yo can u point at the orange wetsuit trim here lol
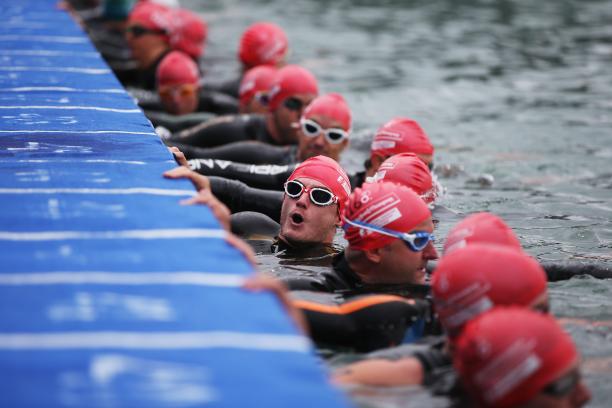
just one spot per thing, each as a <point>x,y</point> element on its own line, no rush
<point>350,306</point>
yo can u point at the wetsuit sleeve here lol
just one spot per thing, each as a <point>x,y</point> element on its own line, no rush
<point>241,152</point>
<point>251,225</point>
<point>216,102</point>
<point>229,87</point>
<point>239,197</point>
<point>364,324</point>
<point>216,132</point>
<point>264,176</point>
<point>563,271</point>
<point>176,123</point>
<point>560,271</point>
<point>432,360</point>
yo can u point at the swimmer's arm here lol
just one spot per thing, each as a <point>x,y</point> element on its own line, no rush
<point>250,152</point>
<point>381,373</point>
<point>240,197</point>
<point>261,282</point>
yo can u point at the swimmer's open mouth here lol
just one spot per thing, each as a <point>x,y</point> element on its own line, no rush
<point>297,218</point>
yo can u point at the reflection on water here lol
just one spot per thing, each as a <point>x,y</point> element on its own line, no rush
<point>515,95</point>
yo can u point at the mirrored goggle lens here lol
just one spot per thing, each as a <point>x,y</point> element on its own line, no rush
<point>418,241</point>
<point>320,196</point>
<point>293,104</point>
<point>293,189</point>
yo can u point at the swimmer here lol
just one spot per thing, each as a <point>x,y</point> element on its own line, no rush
<point>389,232</point>
<point>481,227</point>
<point>409,170</point>
<point>324,129</point>
<point>178,83</point>
<point>315,195</point>
<point>188,33</point>
<point>148,37</point>
<point>293,89</point>
<point>261,44</point>
<point>399,135</point>
<point>513,357</point>
<point>254,87</point>
<point>180,93</point>
<point>467,282</point>
<point>408,138</point>
<point>308,212</point>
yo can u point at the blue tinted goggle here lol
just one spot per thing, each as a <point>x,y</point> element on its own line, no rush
<point>415,241</point>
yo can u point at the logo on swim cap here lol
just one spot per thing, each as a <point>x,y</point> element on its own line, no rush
<point>246,87</point>
<point>274,91</point>
<point>342,181</point>
<point>383,144</point>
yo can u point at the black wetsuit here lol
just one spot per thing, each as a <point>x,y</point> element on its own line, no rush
<point>224,130</point>
<point>208,101</point>
<point>176,123</point>
<point>270,176</point>
<point>342,279</point>
<point>239,197</point>
<point>229,87</point>
<point>563,271</point>
<point>363,323</point>
<point>264,176</point>
<point>147,77</point>
<point>248,152</point>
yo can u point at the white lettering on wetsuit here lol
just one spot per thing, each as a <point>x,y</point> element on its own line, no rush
<point>265,169</point>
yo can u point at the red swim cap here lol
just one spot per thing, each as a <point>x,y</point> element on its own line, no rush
<point>291,80</point>
<point>410,171</point>
<point>177,69</point>
<point>262,44</point>
<point>400,135</point>
<point>189,33</point>
<point>331,105</point>
<point>329,173</point>
<point>152,16</point>
<point>384,204</point>
<point>258,79</point>
<point>507,356</point>
<point>471,280</point>
<point>482,227</point>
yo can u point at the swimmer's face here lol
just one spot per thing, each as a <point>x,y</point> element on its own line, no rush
<point>287,116</point>
<point>303,222</point>
<point>314,145</point>
<point>400,264</point>
<point>179,99</point>
<point>377,159</point>
<point>144,44</point>
<point>254,106</point>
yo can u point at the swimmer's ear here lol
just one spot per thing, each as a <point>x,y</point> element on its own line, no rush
<point>373,255</point>
<point>338,221</point>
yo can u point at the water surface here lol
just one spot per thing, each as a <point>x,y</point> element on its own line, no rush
<point>516,97</point>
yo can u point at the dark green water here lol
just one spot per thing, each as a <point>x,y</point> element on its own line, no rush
<point>517,99</point>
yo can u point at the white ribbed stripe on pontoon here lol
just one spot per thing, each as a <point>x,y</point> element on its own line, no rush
<point>179,233</point>
<point>121,278</point>
<point>154,341</point>
<point>109,191</point>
